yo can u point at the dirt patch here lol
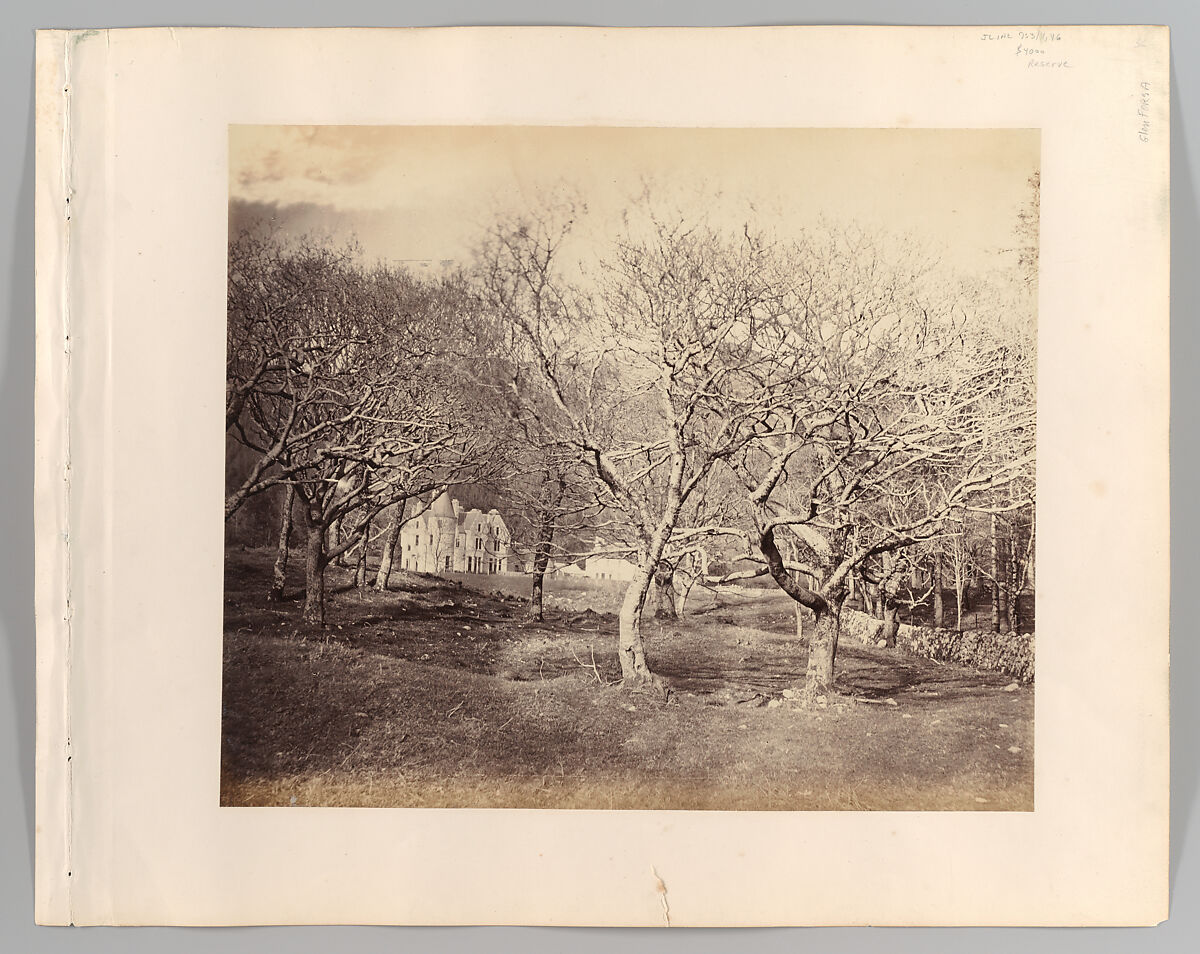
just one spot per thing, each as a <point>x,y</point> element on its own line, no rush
<point>437,694</point>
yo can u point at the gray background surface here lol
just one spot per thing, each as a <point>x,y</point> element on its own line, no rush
<point>17,23</point>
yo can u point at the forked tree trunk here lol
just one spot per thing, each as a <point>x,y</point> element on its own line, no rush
<point>279,578</point>
<point>389,548</point>
<point>827,607</point>
<point>939,604</point>
<point>314,566</point>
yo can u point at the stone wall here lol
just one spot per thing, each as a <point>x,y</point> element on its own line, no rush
<point>1009,653</point>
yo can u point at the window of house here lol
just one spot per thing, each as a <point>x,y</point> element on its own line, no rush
<point>447,563</point>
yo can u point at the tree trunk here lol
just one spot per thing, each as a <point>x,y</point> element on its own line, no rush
<point>1004,590</point>
<point>664,582</point>
<point>339,536</point>
<point>631,648</point>
<point>535,594</point>
<point>541,560</point>
<point>890,625</point>
<point>1014,588</point>
<point>822,650</point>
<point>1031,552</point>
<point>995,577</point>
<point>960,585</point>
<point>683,594</point>
<point>875,600</point>
<point>279,579</point>
<point>822,645</point>
<point>314,567</point>
<point>689,580</point>
<point>389,548</point>
<point>889,586</point>
<point>939,605</point>
<point>360,568</point>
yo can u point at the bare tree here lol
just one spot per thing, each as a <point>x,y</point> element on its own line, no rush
<point>287,335</point>
<point>641,377</point>
<point>553,495</point>
<point>903,418</point>
<point>361,410</point>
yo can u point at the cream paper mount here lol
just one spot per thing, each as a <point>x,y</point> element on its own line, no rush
<point>135,137</point>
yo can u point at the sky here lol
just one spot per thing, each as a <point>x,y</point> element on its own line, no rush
<point>424,195</point>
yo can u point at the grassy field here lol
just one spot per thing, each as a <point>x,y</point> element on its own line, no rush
<point>440,693</point>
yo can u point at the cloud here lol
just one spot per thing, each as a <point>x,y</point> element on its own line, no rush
<point>426,192</point>
<point>306,163</point>
<point>394,235</point>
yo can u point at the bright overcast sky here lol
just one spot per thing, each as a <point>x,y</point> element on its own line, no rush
<point>425,193</point>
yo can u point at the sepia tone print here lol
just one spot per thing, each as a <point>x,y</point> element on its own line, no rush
<point>579,467</point>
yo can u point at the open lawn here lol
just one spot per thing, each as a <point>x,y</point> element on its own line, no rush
<point>439,693</point>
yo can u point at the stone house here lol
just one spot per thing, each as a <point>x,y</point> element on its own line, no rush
<point>448,538</point>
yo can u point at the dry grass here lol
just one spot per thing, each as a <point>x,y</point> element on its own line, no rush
<point>438,695</point>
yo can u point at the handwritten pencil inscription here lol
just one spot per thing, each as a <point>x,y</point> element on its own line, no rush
<point>1143,111</point>
<point>1036,48</point>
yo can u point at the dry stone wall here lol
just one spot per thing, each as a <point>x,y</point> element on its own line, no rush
<point>1009,653</point>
